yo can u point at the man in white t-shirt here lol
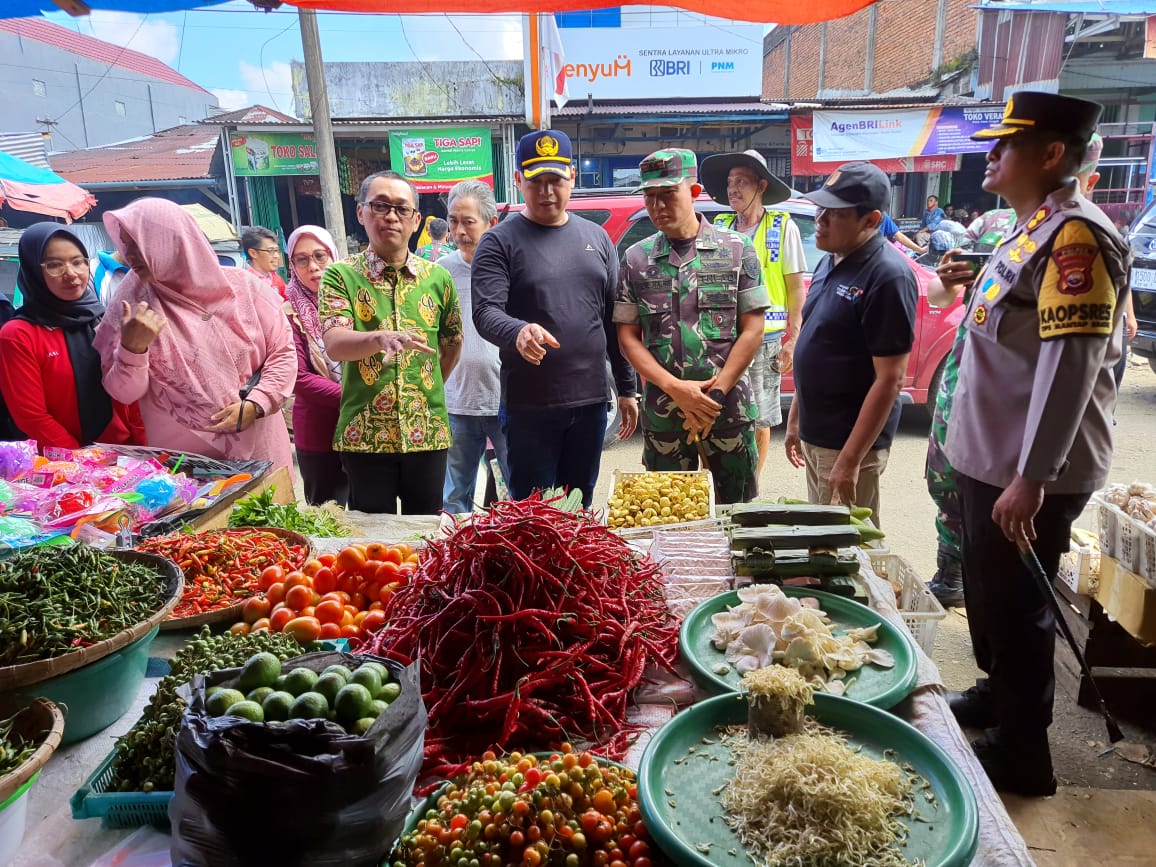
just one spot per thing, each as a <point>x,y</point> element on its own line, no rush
<point>474,389</point>
<point>744,182</point>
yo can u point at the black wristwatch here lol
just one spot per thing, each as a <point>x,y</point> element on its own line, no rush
<point>717,395</point>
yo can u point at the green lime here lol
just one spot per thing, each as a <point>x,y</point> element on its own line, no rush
<point>220,702</point>
<point>277,706</point>
<point>329,685</point>
<point>368,677</point>
<point>362,726</point>
<point>309,705</point>
<point>382,671</point>
<point>378,707</point>
<point>300,680</point>
<point>212,690</point>
<point>249,710</point>
<point>279,683</point>
<point>259,694</point>
<point>262,669</point>
<point>390,692</point>
<point>340,670</point>
<point>353,702</point>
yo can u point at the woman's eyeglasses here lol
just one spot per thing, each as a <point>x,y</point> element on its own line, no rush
<point>319,256</point>
<point>56,268</point>
<point>383,208</point>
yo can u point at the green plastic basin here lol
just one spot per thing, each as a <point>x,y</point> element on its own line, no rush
<point>95,696</point>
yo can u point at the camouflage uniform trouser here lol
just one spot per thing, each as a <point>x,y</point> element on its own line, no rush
<point>942,479</point>
<point>730,455</point>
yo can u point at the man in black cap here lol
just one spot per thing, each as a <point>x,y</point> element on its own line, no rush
<point>744,182</point>
<point>1030,432</point>
<point>851,355</point>
<point>544,289</point>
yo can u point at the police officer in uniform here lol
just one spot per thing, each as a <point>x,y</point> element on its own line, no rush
<point>690,316</point>
<point>1030,432</point>
<point>744,182</point>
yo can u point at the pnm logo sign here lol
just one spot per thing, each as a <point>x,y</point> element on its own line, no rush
<point>722,66</point>
<point>669,67</point>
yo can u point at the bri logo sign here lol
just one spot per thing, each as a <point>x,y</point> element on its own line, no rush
<point>669,67</point>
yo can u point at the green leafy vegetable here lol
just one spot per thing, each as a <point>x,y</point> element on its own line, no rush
<point>259,510</point>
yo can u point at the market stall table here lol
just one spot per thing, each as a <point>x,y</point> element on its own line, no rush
<point>54,838</point>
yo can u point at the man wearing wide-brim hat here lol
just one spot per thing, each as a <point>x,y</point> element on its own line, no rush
<point>743,182</point>
<point>1030,431</point>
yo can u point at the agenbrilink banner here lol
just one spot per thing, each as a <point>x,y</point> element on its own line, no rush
<point>840,136</point>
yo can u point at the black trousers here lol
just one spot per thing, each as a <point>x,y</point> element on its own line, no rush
<point>323,477</point>
<point>378,481</point>
<point>1013,628</point>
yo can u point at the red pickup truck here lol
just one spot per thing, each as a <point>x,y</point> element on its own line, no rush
<point>624,218</point>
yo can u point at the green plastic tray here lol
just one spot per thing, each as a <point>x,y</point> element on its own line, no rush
<point>949,840</point>
<point>881,687</point>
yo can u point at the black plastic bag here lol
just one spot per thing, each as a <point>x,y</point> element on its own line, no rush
<point>297,792</point>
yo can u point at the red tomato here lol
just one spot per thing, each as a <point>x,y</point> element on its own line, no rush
<point>327,559</point>
<point>351,560</point>
<point>393,555</point>
<point>255,608</point>
<point>387,572</point>
<point>269,576</point>
<point>329,611</point>
<point>349,631</point>
<point>358,601</point>
<point>312,567</point>
<point>404,549</point>
<point>239,629</point>
<point>296,579</point>
<point>324,580</point>
<point>412,559</point>
<point>304,629</point>
<point>369,570</point>
<point>372,591</point>
<point>280,617</point>
<point>308,611</point>
<point>330,630</point>
<point>376,550</point>
<point>373,621</point>
<point>275,594</point>
<point>298,597</point>
<point>261,625</point>
<point>348,583</point>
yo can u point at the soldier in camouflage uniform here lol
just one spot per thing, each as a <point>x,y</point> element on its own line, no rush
<point>690,316</point>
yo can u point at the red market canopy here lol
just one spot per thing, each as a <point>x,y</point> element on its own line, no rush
<point>765,11</point>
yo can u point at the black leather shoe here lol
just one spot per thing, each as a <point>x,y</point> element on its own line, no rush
<point>1026,772</point>
<point>946,584</point>
<point>973,709</point>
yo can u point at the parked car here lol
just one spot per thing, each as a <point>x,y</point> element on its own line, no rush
<point>1142,240</point>
<point>624,218</point>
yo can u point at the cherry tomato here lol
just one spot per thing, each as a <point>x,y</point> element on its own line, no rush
<point>638,850</point>
<point>299,596</point>
<point>329,611</point>
<point>280,617</point>
<point>275,594</point>
<point>303,629</point>
<point>255,608</point>
<point>269,576</point>
<point>324,580</point>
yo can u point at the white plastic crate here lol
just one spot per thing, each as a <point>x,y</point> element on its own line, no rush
<point>1126,539</point>
<point>919,609</point>
<point>1080,569</point>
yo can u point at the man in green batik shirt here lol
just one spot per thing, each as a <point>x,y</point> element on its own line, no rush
<point>394,319</point>
<point>690,315</point>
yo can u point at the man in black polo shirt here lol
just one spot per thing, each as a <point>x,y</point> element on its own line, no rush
<point>851,353</point>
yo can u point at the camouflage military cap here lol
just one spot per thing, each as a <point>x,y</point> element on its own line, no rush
<point>667,168</point>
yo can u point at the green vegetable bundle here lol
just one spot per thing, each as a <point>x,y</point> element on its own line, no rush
<point>145,760</point>
<point>56,600</point>
<point>259,510</point>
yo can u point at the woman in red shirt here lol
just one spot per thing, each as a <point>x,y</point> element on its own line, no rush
<point>50,374</point>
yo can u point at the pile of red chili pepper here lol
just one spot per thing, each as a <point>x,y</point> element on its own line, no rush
<point>222,567</point>
<point>532,625</point>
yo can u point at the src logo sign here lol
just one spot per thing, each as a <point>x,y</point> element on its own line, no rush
<point>669,67</point>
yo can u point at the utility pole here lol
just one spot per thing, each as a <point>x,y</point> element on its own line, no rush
<point>322,129</point>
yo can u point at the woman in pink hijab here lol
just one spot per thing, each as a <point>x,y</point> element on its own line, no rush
<point>318,390</point>
<point>186,337</point>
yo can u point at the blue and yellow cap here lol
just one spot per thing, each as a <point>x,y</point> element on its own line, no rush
<point>546,150</point>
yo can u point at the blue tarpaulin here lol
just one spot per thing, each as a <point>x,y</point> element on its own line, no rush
<point>33,8</point>
<point>13,169</point>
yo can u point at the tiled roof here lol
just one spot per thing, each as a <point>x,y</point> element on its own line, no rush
<point>252,114</point>
<point>183,152</point>
<point>40,30</point>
